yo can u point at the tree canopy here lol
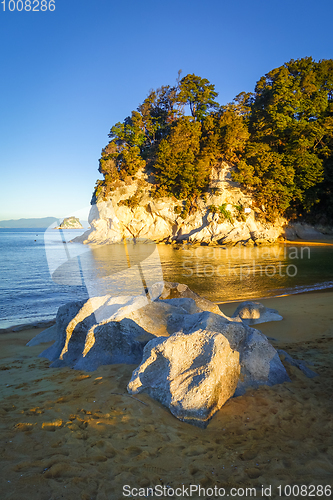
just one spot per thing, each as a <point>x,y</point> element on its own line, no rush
<point>278,138</point>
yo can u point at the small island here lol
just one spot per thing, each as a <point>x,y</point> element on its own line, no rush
<point>181,168</point>
<point>70,223</point>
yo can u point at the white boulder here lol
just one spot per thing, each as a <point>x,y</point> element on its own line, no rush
<point>195,371</point>
<point>253,313</point>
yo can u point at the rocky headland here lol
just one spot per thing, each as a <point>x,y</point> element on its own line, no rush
<point>225,216</point>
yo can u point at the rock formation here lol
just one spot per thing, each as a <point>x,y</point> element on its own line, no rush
<point>195,371</point>
<point>298,230</point>
<point>180,290</point>
<point>192,373</point>
<point>227,216</point>
<point>70,223</point>
<point>189,355</point>
<point>77,327</point>
<point>252,313</point>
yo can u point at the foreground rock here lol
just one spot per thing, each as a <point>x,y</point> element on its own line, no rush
<point>79,326</point>
<point>194,372</point>
<point>112,343</point>
<point>253,313</point>
<point>191,358</point>
<point>96,325</point>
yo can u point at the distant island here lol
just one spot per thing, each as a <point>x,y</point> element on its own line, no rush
<point>70,223</point>
<point>28,223</point>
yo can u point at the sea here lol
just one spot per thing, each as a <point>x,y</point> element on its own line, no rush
<point>43,269</point>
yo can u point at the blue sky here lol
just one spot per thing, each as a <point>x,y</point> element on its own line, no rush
<point>67,76</point>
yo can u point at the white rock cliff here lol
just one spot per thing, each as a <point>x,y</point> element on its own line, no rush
<point>133,211</point>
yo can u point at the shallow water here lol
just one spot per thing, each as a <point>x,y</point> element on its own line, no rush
<point>40,271</point>
<point>224,274</point>
<point>27,292</point>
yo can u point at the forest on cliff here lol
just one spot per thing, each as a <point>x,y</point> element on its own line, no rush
<point>279,139</point>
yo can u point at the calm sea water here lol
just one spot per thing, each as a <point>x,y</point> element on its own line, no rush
<point>27,292</point>
<point>41,270</point>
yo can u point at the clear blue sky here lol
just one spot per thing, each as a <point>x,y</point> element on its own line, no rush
<point>67,76</point>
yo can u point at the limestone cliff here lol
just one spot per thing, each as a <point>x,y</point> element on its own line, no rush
<point>226,216</point>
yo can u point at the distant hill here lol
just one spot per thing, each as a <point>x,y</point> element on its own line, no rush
<point>24,223</point>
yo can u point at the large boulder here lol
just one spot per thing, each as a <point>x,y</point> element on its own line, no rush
<point>192,358</point>
<point>80,324</point>
<point>114,342</point>
<point>253,313</point>
<point>84,343</point>
<point>195,371</point>
<point>193,374</point>
<point>73,321</point>
<point>164,317</point>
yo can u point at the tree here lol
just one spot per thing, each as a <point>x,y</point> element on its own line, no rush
<point>199,94</point>
<point>179,168</point>
<point>290,114</point>
<point>122,156</point>
<point>269,179</point>
<point>158,111</point>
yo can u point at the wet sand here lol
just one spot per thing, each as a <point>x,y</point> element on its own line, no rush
<point>69,434</point>
<point>306,315</point>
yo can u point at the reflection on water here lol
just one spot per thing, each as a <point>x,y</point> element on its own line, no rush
<point>218,273</point>
<point>111,259</point>
<point>125,268</point>
<point>224,274</point>
<point>121,269</point>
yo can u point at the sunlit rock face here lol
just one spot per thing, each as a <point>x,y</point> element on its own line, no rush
<point>181,291</point>
<point>88,333</point>
<point>131,210</point>
<point>195,371</point>
<point>193,374</point>
<point>75,331</point>
<point>188,357</point>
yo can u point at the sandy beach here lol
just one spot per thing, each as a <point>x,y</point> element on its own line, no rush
<point>68,434</point>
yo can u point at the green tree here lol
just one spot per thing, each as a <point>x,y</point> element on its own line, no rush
<point>270,181</point>
<point>290,113</point>
<point>199,94</point>
<point>179,169</point>
<point>122,156</point>
<point>279,138</point>
<point>158,111</point>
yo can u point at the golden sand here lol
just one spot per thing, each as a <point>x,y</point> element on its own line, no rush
<point>69,434</point>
